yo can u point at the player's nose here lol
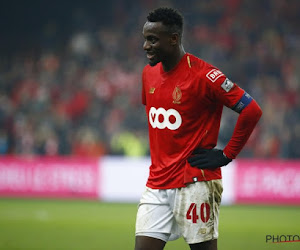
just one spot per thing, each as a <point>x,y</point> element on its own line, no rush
<point>146,45</point>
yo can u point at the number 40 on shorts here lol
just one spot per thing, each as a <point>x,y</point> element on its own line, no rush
<point>192,213</point>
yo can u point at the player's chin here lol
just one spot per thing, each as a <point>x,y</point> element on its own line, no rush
<point>153,62</point>
<point>153,58</point>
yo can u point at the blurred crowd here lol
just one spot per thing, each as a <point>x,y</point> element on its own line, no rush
<point>79,93</point>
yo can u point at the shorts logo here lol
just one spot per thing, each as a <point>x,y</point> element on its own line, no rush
<point>214,74</point>
<point>227,85</point>
<point>160,118</point>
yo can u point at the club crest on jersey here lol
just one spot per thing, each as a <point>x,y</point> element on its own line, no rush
<point>214,74</point>
<point>177,94</point>
<point>227,85</point>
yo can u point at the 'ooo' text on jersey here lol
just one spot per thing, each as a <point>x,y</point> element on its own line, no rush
<point>161,118</point>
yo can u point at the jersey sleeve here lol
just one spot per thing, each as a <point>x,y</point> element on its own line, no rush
<point>234,97</point>
<point>246,123</point>
<point>222,88</point>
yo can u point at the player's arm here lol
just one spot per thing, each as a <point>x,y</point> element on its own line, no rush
<point>250,114</point>
<point>238,100</point>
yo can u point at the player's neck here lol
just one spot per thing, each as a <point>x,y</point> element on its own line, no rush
<point>174,59</point>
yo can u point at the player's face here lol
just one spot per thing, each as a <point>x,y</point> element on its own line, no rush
<point>157,42</point>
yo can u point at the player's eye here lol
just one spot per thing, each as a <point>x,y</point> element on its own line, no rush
<point>152,39</point>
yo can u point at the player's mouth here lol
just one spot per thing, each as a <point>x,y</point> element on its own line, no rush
<point>150,56</point>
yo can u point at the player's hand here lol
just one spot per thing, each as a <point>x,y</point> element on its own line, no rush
<point>208,158</point>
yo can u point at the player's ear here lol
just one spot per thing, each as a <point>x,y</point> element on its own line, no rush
<point>174,39</point>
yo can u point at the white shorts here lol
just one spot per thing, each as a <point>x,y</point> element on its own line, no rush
<point>191,212</point>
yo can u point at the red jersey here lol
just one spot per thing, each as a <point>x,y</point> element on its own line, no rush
<point>184,108</point>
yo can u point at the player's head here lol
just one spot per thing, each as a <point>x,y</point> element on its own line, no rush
<point>162,33</point>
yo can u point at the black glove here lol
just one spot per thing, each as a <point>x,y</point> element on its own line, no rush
<point>208,158</point>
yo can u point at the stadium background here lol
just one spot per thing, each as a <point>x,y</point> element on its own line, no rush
<point>70,82</point>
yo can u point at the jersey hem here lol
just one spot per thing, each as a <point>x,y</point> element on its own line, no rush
<point>180,186</point>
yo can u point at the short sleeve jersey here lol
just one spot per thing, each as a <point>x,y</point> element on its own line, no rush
<point>184,108</point>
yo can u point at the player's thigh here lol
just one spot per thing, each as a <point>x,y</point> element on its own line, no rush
<point>196,210</point>
<point>207,245</point>
<point>154,215</point>
<point>145,243</point>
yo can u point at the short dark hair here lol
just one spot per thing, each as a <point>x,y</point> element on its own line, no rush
<point>169,17</point>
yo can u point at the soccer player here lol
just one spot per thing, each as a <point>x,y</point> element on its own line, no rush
<point>184,98</point>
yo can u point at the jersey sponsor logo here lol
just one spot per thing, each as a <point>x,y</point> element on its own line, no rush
<point>161,118</point>
<point>177,94</point>
<point>214,74</point>
<point>227,85</point>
